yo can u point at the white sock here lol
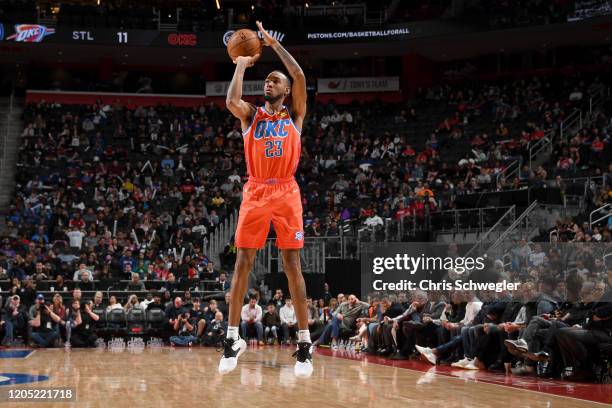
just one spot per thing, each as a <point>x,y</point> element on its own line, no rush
<point>304,336</point>
<point>232,332</point>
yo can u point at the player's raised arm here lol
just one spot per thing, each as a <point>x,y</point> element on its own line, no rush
<point>239,108</point>
<point>298,89</point>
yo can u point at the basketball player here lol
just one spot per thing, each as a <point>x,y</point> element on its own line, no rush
<point>272,152</point>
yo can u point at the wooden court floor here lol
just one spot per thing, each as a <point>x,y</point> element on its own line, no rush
<point>264,378</point>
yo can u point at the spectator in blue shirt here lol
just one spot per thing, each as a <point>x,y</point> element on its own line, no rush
<point>127,258</point>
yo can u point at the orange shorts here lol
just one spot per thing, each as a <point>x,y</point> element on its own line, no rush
<point>271,200</point>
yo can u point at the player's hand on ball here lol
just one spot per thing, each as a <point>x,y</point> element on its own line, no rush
<point>248,61</point>
<point>268,39</point>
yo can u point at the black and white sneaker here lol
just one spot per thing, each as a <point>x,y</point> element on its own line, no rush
<point>303,365</point>
<point>232,349</point>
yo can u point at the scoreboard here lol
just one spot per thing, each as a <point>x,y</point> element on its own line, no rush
<point>139,38</point>
<point>36,33</point>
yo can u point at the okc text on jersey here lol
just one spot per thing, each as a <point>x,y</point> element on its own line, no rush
<point>266,129</point>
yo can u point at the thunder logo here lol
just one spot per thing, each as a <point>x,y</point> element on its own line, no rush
<point>30,33</point>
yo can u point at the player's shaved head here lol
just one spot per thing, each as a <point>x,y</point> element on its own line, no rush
<point>280,74</point>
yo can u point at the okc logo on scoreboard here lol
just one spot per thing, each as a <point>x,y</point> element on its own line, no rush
<point>30,33</point>
<point>276,34</point>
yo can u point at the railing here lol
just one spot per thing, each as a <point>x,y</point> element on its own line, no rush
<point>221,236</point>
<point>605,258</point>
<point>510,170</point>
<point>602,218</point>
<point>539,146</point>
<point>466,220</point>
<point>394,230</point>
<point>598,98</point>
<point>510,214</point>
<point>569,122</point>
<point>515,225</point>
<point>313,256</point>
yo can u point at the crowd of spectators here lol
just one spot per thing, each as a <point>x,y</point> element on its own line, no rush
<point>549,327</point>
<point>101,184</point>
<point>508,14</point>
<point>206,16</point>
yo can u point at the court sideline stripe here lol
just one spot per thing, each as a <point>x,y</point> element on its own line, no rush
<point>447,375</point>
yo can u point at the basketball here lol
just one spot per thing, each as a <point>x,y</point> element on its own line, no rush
<point>243,43</point>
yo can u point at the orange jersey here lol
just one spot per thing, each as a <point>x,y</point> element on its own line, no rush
<point>272,145</point>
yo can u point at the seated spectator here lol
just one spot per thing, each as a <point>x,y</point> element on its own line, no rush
<point>271,323</point>
<point>414,331</point>
<point>251,316</point>
<point>132,303</point>
<point>195,308</point>
<point>58,307</point>
<point>113,304</point>
<point>539,340</point>
<point>576,344</point>
<point>156,304</point>
<point>472,308</point>
<point>170,285</point>
<point>222,282</point>
<point>78,274</point>
<point>288,321</point>
<point>147,300</point>
<point>98,301</point>
<point>215,331</point>
<point>314,324</point>
<point>344,319</point>
<point>14,319</point>
<point>174,310</point>
<point>85,283</point>
<point>383,337</point>
<point>278,299</point>
<point>210,311</point>
<point>135,284</point>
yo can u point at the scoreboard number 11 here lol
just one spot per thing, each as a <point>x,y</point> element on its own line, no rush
<point>122,37</point>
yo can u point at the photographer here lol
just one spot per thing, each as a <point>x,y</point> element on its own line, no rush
<point>185,327</point>
<point>79,330</point>
<point>44,325</point>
